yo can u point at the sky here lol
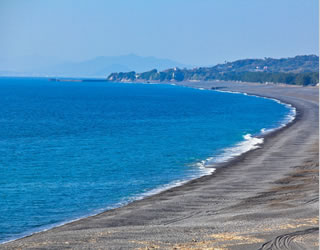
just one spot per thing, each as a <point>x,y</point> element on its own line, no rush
<point>193,32</point>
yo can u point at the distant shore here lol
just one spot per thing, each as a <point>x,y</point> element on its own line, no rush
<point>263,199</point>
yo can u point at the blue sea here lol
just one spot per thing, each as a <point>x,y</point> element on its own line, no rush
<point>73,149</point>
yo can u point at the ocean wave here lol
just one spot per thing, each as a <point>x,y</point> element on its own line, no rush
<point>287,120</point>
<point>249,143</point>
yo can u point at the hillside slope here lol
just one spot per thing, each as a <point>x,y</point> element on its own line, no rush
<point>299,70</point>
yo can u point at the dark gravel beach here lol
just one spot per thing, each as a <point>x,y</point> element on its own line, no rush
<point>265,199</point>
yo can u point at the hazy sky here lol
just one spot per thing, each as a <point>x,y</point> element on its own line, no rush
<point>196,32</point>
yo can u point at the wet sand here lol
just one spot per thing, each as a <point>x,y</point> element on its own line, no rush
<point>265,199</point>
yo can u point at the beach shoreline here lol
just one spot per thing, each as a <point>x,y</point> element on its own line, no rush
<point>131,226</point>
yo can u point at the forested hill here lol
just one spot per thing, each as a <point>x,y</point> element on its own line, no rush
<point>300,70</point>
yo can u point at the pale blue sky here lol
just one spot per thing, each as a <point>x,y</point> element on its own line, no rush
<point>197,32</point>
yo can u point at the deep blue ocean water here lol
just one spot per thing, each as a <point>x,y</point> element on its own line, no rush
<point>71,149</point>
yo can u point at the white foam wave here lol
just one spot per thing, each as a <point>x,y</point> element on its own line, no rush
<point>248,144</point>
<point>159,189</point>
<point>287,120</point>
<point>228,91</point>
<point>204,170</point>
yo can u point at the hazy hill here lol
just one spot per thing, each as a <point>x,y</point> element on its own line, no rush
<point>97,67</point>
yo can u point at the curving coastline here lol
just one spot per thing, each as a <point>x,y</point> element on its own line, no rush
<point>246,204</point>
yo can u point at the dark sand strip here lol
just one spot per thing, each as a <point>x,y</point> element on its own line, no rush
<point>264,199</point>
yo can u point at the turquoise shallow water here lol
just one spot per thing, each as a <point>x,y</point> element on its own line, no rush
<point>71,149</point>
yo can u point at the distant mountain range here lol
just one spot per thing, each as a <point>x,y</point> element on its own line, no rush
<point>98,67</point>
<point>302,70</point>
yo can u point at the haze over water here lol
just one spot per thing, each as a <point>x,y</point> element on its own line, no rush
<point>72,149</point>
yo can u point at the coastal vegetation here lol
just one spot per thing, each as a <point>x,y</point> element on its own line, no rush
<point>299,70</point>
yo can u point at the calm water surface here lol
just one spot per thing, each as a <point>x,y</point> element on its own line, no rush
<point>70,149</point>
